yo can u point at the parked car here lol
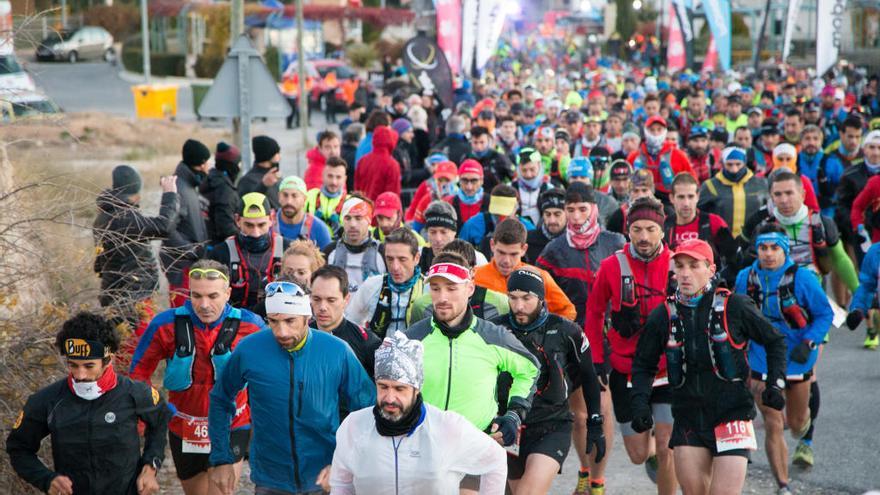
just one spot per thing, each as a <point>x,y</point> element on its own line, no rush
<point>18,105</point>
<point>13,77</point>
<point>325,81</point>
<point>78,44</point>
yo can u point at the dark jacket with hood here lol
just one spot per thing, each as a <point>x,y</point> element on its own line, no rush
<point>124,260</point>
<point>252,181</point>
<point>185,243</point>
<point>223,203</point>
<point>497,168</point>
<point>378,171</point>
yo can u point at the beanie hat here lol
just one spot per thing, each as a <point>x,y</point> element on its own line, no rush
<point>400,359</point>
<point>126,180</point>
<point>264,148</point>
<point>441,214</point>
<point>227,152</point>
<point>527,281</point>
<point>551,198</point>
<point>195,153</point>
<point>646,209</point>
<point>401,125</point>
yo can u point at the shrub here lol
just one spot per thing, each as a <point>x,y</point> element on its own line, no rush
<point>161,64</point>
<point>120,20</point>
<point>360,55</point>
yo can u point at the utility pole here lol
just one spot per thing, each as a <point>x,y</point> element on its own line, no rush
<point>303,96</point>
<point>145,40</point>
<point>236,28</point>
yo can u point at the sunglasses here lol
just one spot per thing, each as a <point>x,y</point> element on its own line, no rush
<point>289,288</point>
<point>207,274</point>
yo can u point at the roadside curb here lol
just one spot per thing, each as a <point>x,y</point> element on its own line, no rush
<point>137,78</point>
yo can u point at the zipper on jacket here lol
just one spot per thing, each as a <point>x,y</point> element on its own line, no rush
<point>292,434</point>
<point>92,481</point>
<point>299,405</point>
<point>449,377</point>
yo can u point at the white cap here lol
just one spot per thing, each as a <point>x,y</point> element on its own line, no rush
<point>287,298</point>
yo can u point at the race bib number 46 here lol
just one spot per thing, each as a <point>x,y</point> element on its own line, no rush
<point>735,435</point>
<point>195,436</point>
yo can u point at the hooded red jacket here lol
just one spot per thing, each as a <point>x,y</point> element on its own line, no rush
<point>678,161</point>
<point>651,279</point>
<point>378,171</point>
<point>315,171</point>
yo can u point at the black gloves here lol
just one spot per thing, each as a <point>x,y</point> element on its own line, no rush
<point>854,318</point>
<point>642,421</point>
<point>801,353</point>
<point>508,425</point>
<point>772,397</point>
<point>596,437</point>
<point>602,374</point>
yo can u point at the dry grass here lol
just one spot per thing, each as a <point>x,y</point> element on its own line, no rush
<point>50,173</point>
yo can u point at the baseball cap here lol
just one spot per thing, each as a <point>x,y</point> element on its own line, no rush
<point>388,204</point>
<point>620,169</point>
<point>697,249</point>
<point>642,178</point>
<point>445,170</point>
<point>255,205</point>
<point>698,131</point>
<point>450,271</point>
<point>656,120</point>
<point>470,166</point>
<point>293,182</point>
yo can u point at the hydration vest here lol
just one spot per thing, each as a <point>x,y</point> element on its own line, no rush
<point>794,314</point>
<point>629,319</point>
<point>478,301</point>
<point>807,254</point>
<point>729,360</point>
<point>239,272</point>
<point>664,165</point>
<point>178,368</point>
<point>382,316</point>
<point>306,230</point>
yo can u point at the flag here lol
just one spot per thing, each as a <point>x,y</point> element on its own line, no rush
<point>711,60</point>
<point>790,21</point>
<point>829,30</point>
<point>449,31</point>
<point>684,16</point>
<point>426,64</point>
<point>676,56</point>
<point>469,11</point>
<point>718,16</point>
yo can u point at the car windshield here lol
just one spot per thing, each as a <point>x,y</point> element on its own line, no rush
<point>342,72</point>
<point>33,108</point>
<point>9,65</point>
<point>57,36</point>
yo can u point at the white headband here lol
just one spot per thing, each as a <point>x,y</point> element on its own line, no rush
<point>784,149</point>
<point>873,137</point>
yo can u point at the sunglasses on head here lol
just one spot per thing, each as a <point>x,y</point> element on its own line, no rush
<point>284,288</point>
<point>208,274</point>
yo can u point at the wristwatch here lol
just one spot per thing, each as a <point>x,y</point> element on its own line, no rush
<point>155,463</point>
<point>780,383</point>
<point>812,345</point>
<point>595,419</point>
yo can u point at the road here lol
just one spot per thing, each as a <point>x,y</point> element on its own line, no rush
<point>847,438</point>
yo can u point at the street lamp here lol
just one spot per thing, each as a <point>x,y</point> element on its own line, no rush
<point>637,5</point>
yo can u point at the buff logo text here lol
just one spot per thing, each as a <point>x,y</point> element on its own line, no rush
<point>78,347</point>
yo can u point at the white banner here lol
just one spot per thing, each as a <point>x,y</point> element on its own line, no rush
<point>794,7</point>
<point>468,35</point>
<point>491,22</point>
<point>829,30</point>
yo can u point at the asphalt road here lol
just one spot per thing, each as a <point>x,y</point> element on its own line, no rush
<point>847,438</point>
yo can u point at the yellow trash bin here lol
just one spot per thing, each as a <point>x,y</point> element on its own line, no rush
<point>155,101</point>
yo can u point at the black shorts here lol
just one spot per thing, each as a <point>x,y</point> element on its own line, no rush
<point>552,440</point>
<point>685,435</point>
<point>191,465</point>
<point>805,377</point>
<point>617,382</point>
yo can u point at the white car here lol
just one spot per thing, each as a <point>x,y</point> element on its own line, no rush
<point>80,44</point>
<point>18,105</point>
<point>13,77</point>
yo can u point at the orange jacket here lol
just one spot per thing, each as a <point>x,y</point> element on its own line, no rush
<point>489,277</point>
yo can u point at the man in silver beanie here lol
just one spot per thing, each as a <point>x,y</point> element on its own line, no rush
<point>430,451</point>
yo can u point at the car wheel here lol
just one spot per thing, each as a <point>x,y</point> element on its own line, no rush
<point>72,57</point>
<point>110,55</point>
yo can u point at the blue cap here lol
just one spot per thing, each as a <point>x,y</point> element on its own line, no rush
<point>580,167</point>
